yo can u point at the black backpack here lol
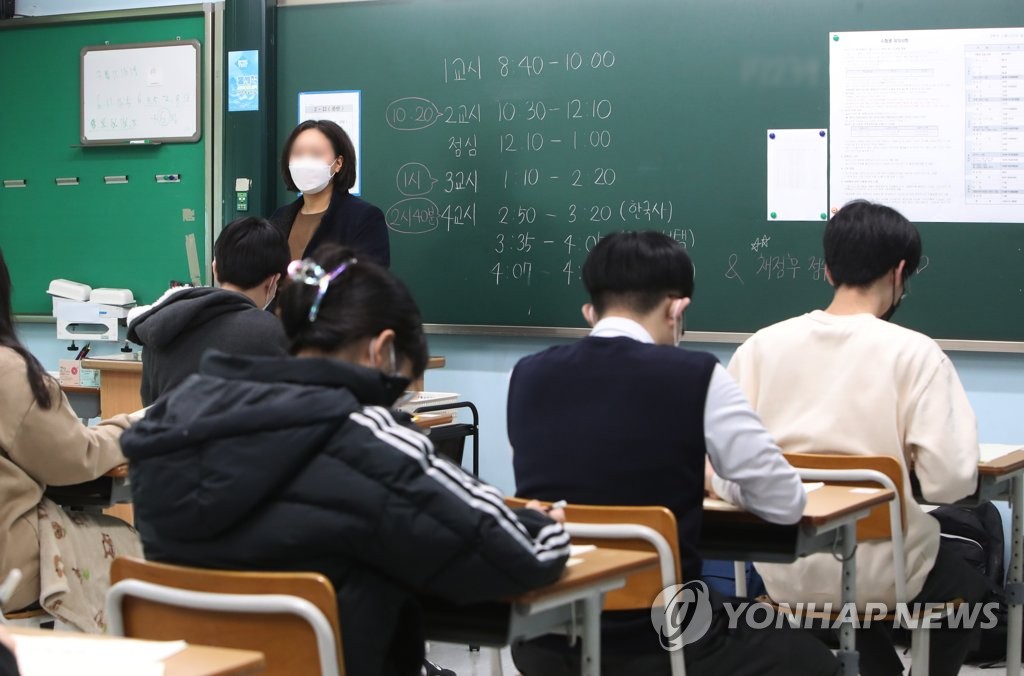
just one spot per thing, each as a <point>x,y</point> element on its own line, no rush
<point>977,534</point>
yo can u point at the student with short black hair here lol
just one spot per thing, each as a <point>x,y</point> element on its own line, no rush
<point>625,417</point>
<point>319,161</point>
<point>297,463</point>
<point>250,257</point>
<point>845,380</point>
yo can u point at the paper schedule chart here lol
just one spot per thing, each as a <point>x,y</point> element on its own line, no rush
<point>930,122</point>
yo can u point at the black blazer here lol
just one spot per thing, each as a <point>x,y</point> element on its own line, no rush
<point>348,221</point>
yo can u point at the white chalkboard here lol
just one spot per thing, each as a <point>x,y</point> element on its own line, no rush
<point>139,93</point>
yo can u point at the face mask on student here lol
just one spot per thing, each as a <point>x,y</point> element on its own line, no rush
<point>395,384</point>
<point>309,174</point>
<point>887,315</point>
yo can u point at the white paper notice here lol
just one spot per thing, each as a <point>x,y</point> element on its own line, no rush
<point>797,175</point>
<point>342,107</point>
<point>929,122</point>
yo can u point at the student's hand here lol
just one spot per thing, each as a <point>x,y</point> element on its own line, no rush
<point>709,487</point>
<point>554,514</point>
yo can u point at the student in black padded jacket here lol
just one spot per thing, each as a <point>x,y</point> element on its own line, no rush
<point>297,463</point>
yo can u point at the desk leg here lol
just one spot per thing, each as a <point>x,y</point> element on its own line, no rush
<point>1015,580</point>
<point>590,664</point>
<point>739,572</point>
<point>848,657</point>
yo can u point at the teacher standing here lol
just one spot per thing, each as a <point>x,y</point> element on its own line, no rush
<point>319,161</point>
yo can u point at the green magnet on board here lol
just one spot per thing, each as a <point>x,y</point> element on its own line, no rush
<point>774,215</point>
<point>824,216</point>
<point>835,38</point>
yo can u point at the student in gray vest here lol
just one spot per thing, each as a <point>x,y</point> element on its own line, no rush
<point>625,417</point>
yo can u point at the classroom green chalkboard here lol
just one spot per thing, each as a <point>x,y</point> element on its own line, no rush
<point>124,235</point>
<point>502,139</point>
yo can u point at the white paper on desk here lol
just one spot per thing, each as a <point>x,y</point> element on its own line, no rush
<point>812,485</point>
<point>720,505</point>
<point>990,452</point>
<point>797,175</point>
<point>575,551</point>
<point>58,654</point>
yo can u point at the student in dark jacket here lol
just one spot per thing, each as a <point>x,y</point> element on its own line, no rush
<point>625,417</point>
<point>298,463</point>
<point>319,161</point>
<point>250,257</point>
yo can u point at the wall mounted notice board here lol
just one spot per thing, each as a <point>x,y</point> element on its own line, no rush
<point>145,92</point>
<point>117,234</point>
<point>502,138</point>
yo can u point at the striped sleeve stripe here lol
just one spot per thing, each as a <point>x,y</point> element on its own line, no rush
<point>492,495</point>
<point>431,467</point>
<point>481,490</point>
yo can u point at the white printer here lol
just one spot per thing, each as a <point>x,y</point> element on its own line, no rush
<point>87,313</point>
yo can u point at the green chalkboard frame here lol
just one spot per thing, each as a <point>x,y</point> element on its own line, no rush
<point>131,240</point>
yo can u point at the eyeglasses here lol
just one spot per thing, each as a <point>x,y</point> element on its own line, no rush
<point>308,271</point>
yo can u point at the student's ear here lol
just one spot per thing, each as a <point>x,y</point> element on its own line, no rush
<point>677,307</point>
<point>589,314</point>
<point>381,349</point>
<point>900,268</point>
<point>270,284</point>
<point>828,277</point>
<point>340,162</point>
<point>215,278</point>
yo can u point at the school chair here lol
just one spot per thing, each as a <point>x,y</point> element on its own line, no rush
<point>646,529</point>
<point>292,618</point>
<point>885,522</point>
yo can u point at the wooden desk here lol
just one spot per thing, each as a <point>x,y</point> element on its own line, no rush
<point>432,363</point>
<point>731,534</point>
<point>572,605</point>
<point>194,660</point>
<point>120,382</point>
<point>829,523</point>
<point>85,401</point>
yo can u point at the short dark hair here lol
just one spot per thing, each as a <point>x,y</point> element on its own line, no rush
<point>248,251</point>
<point>342,144</point>
<point>361,302</point>
<point>637,270</point>
<point>863,241</point>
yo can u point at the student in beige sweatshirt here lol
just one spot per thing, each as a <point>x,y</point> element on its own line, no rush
<point>64,557</point>
<point>846,380</point>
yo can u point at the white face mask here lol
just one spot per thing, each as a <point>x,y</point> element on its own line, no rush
<point>309,174</point>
